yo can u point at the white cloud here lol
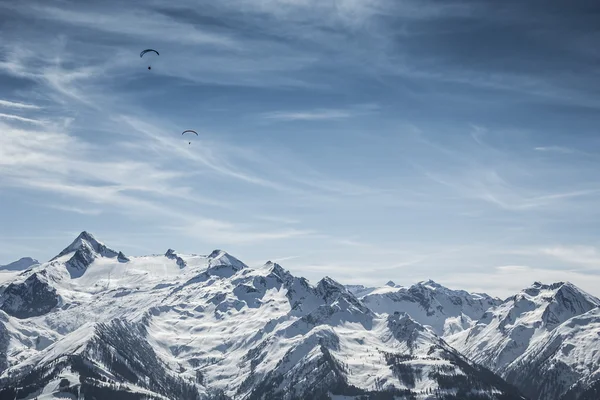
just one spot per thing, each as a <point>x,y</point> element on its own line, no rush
<point>21,119</point>
<point>586,256</point>
<point>315,115</point>
<point>504,179</point>
<point>213,157</point>
<point>13,104</point>
<point>555,149</point>
<point>323,114</point>
<point>58,163</point>
<point>219,232</point>
<point>62,164</point>
<point>278,219</point>
<point>150,25</point>
<point>76,210</point>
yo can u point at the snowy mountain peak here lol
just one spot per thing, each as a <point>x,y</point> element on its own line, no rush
<point>328,287</point>
<point>83,238</point>
<point>403,326</point>
<point>277,270</point>
<point>216,253</point>
<point>336,294</point>
<point>122,257</point>
<point>85,249</point>
<point>170,254</point>
<point>537,287</point>
<point>390,284</point>
<point>221,258</point>
<point>223,264</point>
<point>562,295</point>
<point>568,301</point>
<point>20,265</point>
<point>432,285</point>
<point>87,242</point>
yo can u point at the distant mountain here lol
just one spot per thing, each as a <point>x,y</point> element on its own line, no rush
<point>179,326</point>
<point>445,310</point>
<point>544,339</point>
<point>19,265</point>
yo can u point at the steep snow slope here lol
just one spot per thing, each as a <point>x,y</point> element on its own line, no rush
<point>515,334</point>
<point>446,311</point>
<point>189,327</point>
<point>567,360</point>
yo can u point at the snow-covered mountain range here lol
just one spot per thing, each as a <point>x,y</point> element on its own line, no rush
<point>94,323</point>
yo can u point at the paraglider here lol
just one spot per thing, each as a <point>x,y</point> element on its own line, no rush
<point>190,131</point>
<point>146,51</point>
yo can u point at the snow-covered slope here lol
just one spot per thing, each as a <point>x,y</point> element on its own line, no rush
<point>567,360</point>
<point>527,330</point>
<point>446,311</point>
<point>183,326</point>
<point>19,265</point>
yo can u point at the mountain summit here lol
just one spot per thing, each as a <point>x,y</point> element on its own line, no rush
<point>87,242</point>
<point>83,251</point>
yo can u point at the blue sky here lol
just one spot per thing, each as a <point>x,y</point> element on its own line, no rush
<point>366,140</point>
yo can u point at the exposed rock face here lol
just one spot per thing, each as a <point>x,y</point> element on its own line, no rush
<point>30,298</point>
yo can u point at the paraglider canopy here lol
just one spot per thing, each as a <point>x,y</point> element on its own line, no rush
<point>147,51</point>
<point>189,131</point>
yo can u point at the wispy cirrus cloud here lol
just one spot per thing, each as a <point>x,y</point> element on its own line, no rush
<point>135,22</point>
<point>20,119</point>
<point>314,115</point>
<point>555,149</point>
<point>14,104</point>
<point>76,210</point>
<point>115,186</point>
<point>323,114</point>
<point>586,256</point>
<point>481,170</point>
